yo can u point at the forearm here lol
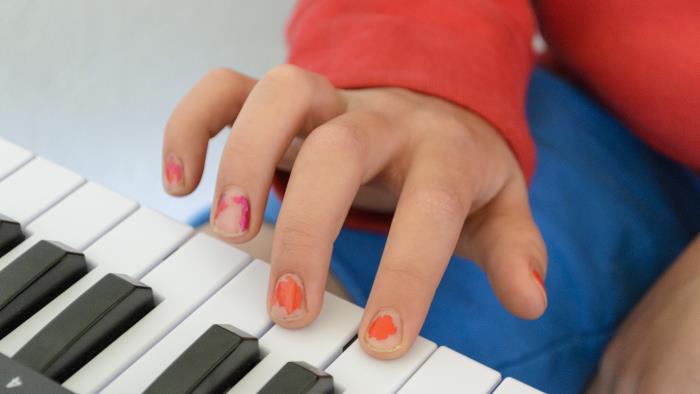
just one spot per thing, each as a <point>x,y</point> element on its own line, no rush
<point>656,347</point>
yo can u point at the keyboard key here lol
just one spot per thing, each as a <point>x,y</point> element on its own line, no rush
<point>83,216</point>
<point>34,279</point>
<point>10,234</point>
<point>212,364</point>
<point>317,344</point>
<point>299,377</point>
<point>181,283</point>
<point>356,372</point>
<point>12,157</point>
<point>240,303</point>
<point>77,221</point>
<point>34,188</point>
<point>447,371</point>
<point>132,248</point>
<point>87,326</point>
<point>15,378</point>
<point>513,386</point>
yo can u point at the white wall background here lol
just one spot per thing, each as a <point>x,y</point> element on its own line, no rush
<point>90,83</point>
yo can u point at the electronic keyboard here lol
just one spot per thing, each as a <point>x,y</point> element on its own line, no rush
<point>98,294</point>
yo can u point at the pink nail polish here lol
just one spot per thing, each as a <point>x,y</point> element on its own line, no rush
<point>384,331</point>
<point>288,298</point>
<point>173,171</point>
<point>232,215</point>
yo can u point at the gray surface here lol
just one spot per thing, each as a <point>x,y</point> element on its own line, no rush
<point>90,84</point>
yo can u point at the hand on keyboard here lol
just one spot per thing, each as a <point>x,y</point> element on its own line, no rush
<point>450,179</point>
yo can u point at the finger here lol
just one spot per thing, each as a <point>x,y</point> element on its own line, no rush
<point>285,102</point>
<point>428,219</point>
<point>335,159</point>
<point>212,104</point>
<point>505,241</point>
<point>373,196</point>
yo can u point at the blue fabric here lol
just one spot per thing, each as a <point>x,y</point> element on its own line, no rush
<point>613,213</point>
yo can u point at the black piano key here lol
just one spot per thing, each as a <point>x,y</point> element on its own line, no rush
<point>34,279</point>
<point>298,377</point>
<point>216,361</point>
<point>10,234</point>
<point>88,325</point>
<point>16,378</point>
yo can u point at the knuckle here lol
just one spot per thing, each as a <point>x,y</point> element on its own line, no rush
<point>457,139</point>
<point>338,138</point>
<point>286,71</point>
<point>292,77</point>
<point>225,74</point>
<point>441,201</point>
<point>411,278</point>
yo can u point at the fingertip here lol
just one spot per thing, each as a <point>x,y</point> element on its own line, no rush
<point>173,172</point>
<point>541,287</point>
<point>384,335</point>
<point>234,217</point>
<point>288,304</point>
<point>521,290</point>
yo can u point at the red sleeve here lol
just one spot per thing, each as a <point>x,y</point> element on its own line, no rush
<point>641,59</point>
<point>475,53</point>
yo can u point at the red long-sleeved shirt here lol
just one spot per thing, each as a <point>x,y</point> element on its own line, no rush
<point>640,58</point>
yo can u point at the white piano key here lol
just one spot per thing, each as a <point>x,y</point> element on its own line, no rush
<point>183,281</point>
<point>139,243</point>
<point>356,372</point>
<point>132,248</point>
<point>241,303</point>
<point>317,344</point>
<point>82,217</point>
<point>34,188</point>
<point>513,386</point>
<point>76,221</point>
<point>447,371</point>
<point>12,157</point>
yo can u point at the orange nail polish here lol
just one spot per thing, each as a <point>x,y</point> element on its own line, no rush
<point>538,277</point>
<point>288,298</point>
<point>384,331</point>
<point>543,290</point>
<point>381,328</point>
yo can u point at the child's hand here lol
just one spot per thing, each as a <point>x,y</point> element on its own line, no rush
<point>457,184</point>
<point>656,349</point>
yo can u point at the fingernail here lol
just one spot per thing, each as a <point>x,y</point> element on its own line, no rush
<point>173,171</point>
<point>232,212</point>
<point>288,301</point>
<point>540,282</point>
<point>384,331</point>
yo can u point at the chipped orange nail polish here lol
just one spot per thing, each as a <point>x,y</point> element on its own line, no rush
<point>288,298</point>
<point>381,328</point>
<point>173,171</point>
<point>543,290</point>
<point>538,277</point>
<point>384,331</point>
